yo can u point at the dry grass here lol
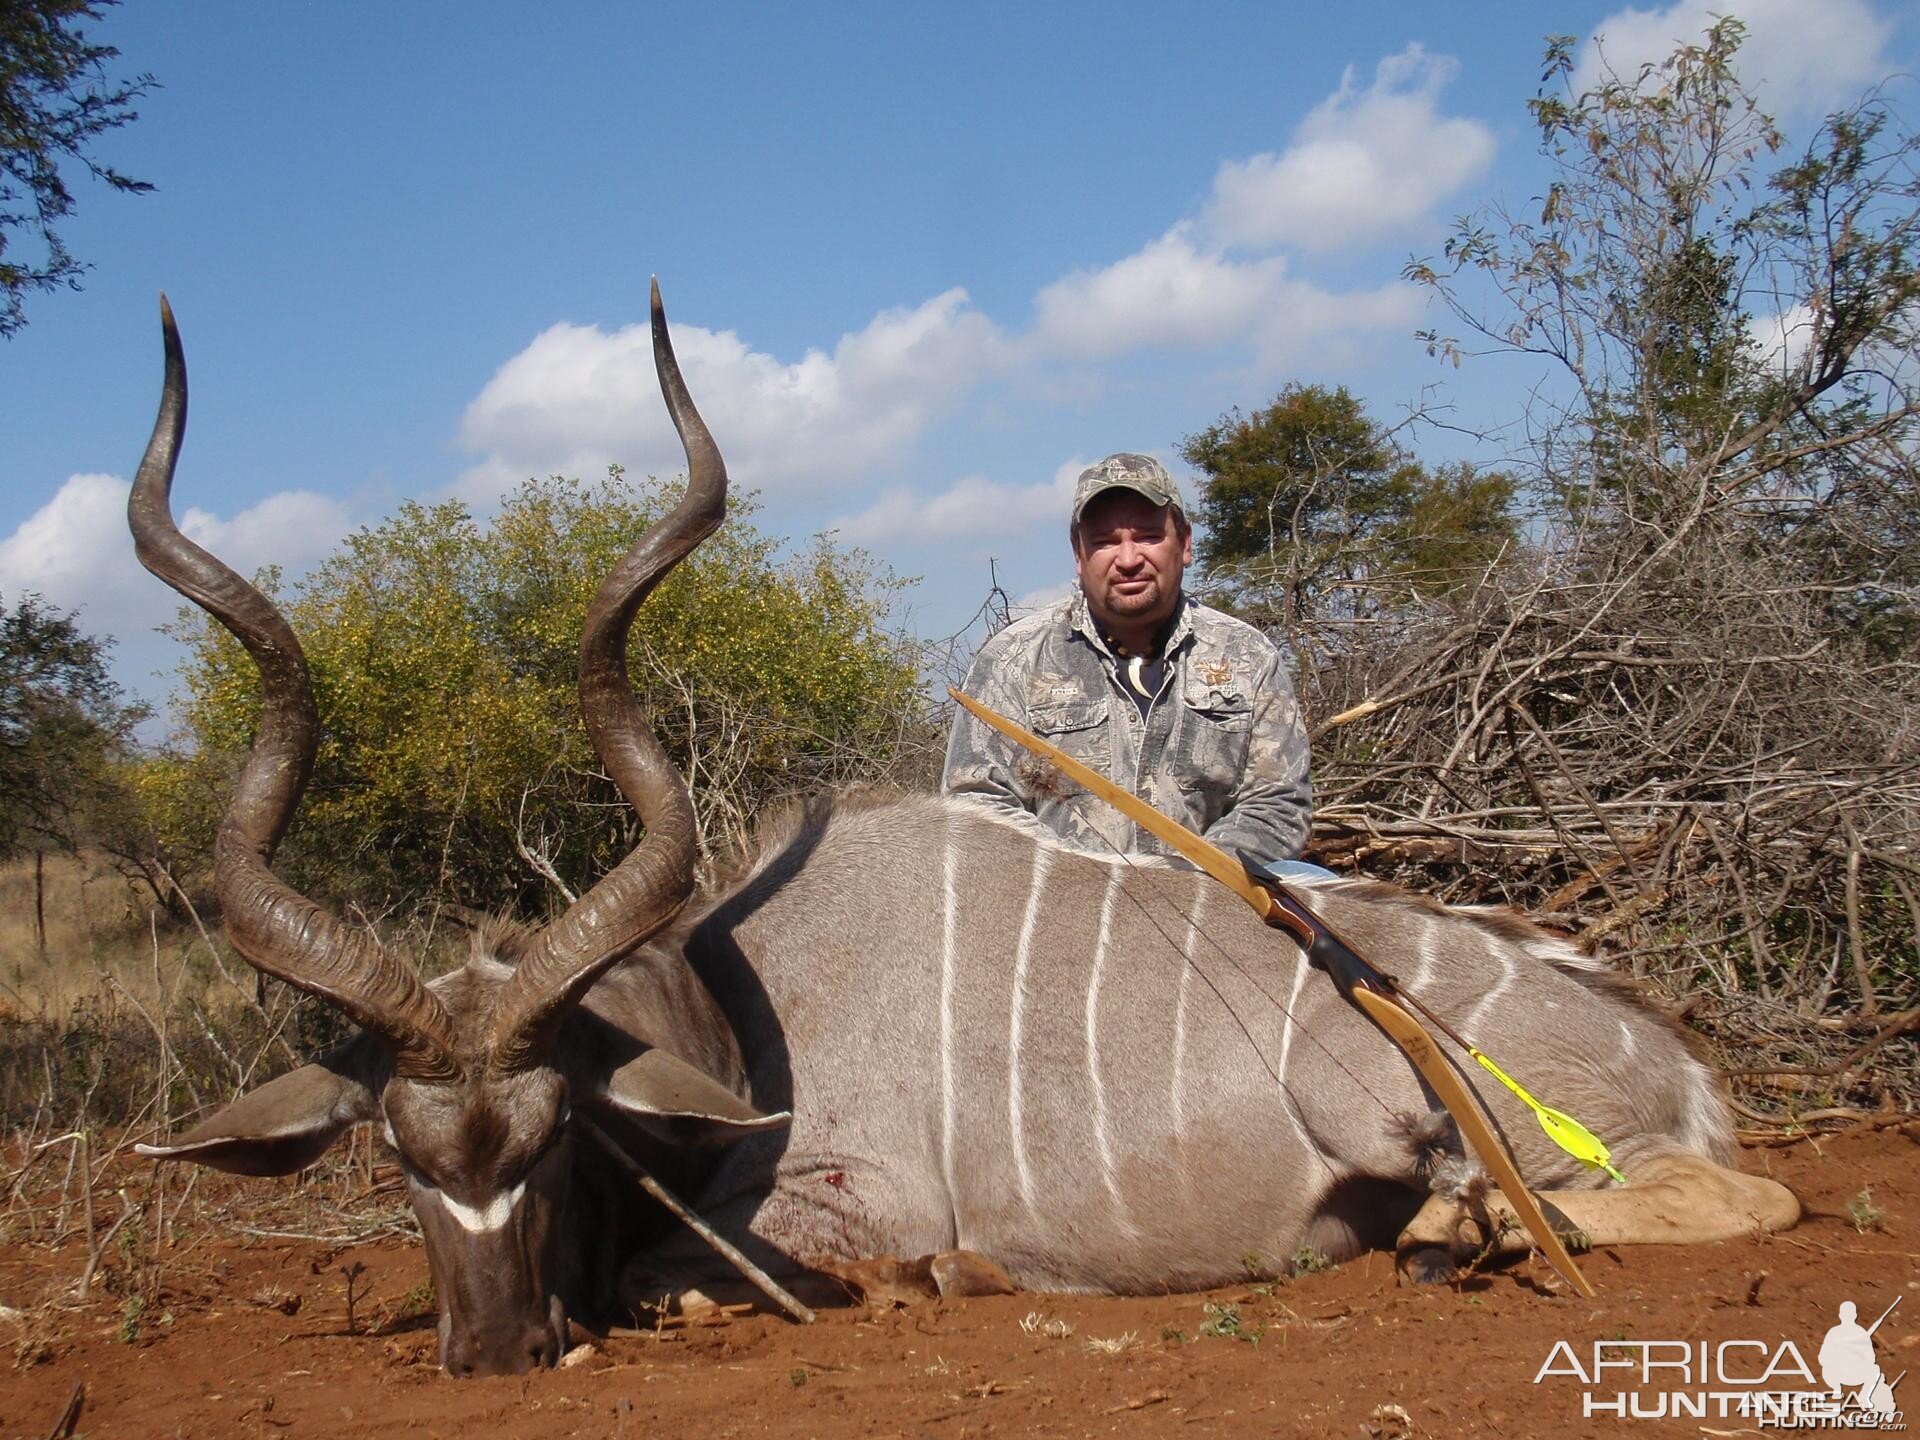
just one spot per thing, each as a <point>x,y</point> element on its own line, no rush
<point>1036,1323</point>
<point>125,1029</point>
<point>99,926</point>
<point>135,1023</point>
<point>128,1019</point>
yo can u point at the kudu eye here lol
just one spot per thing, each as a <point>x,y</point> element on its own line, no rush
<point>559,1130</point>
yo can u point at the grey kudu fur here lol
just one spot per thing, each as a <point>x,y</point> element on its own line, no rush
<point>908,1027</point>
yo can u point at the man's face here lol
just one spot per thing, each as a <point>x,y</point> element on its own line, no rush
<point>1130,555</point>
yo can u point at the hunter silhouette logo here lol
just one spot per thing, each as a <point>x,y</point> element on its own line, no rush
<point>1767,1382</point>
<point>1848,1362</point>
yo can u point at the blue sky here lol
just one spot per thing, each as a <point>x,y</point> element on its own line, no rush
<point>923,262</point>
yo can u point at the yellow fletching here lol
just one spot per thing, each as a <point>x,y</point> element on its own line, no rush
<point>1565,1131</point>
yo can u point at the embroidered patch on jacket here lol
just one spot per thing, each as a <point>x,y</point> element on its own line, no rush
<point>1215,672</point>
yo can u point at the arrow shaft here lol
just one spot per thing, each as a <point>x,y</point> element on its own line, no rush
<point>1364,986</point>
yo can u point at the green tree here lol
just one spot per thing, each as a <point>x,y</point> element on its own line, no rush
<point>64,731</point>
<point>1723,335</point>
<point>62,721</point>
<point>55,101</point>
<point>1459,521</point>
<point>444,652</point>
<point>1309,507</point>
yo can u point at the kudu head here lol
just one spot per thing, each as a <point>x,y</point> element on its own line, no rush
<point>465,1076</point>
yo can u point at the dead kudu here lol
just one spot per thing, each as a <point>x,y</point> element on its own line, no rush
<point>907,1027</point>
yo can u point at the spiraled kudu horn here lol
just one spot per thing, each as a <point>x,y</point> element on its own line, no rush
<point>278,930</point>
<point>635,899</point>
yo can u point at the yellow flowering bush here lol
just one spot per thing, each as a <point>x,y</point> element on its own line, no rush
<point>453,763</point>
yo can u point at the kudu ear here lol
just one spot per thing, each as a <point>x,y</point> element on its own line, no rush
<point>675,1102</point>
<point>286,1124</point>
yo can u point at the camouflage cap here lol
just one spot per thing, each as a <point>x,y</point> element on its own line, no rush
<point>1141,473</point>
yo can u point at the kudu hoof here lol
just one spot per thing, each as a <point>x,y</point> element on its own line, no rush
<point>883,1282</point>
<point>960,1273</point>
<point>1426,1265</point>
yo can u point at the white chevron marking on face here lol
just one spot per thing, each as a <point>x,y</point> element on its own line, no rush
<point>1023,956</point>
<point>491,1216</point>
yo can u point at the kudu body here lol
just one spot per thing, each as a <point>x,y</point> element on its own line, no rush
<point>1108,1075</point>
<point>1105,1075</point>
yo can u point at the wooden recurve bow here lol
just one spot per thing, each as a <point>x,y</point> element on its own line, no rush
<point>1376,994</point>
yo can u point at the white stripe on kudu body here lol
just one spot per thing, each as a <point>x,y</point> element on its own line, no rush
<point>1286,1031</point>
<point>1022,960</point>
<point>1201,885</point>
<point>1472,1020</point>
<point>1424,950</point>
<point>949,925</point>
<point>1114,879</point>
<point>1291,1108</point>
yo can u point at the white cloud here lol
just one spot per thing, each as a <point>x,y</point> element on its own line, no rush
<point>1215,285</point>
<point>972,508</point>
<point>1781,340</point>
<point>578,398</point>
<point>75,550</point>
<point>294,529</point>
<point>1169,294</point>
<point>1362,163</point>
<point>1040,599</point>
<point>78,537</point>
<point>1175,293</point>
<point>1800,57</point>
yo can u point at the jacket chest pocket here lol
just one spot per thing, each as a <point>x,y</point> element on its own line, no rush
<point>1077,726</point>
<point>1210,750</point>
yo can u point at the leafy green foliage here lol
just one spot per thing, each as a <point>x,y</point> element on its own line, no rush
<point>1864,1213</point>
<point>1309,506</point>
<point>1310,1260</point>
<point>1224,1322</point>
<point>1736,343</point>
<point>63,722</point>
<point>55,100</point>
<point>444,654</point>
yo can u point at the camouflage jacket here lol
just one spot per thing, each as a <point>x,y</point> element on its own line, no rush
<point>1223,749</point>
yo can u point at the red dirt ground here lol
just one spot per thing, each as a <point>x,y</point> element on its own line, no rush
<point>1345,1353</point>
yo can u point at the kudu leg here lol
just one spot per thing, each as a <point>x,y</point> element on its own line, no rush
<point>1671,1200</point>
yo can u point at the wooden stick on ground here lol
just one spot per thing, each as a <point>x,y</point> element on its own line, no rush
<point>69,1417</point>
<point>764,1282</point>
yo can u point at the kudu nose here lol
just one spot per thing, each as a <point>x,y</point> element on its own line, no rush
<point>541,1348</point>
<point>510,1352</point>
